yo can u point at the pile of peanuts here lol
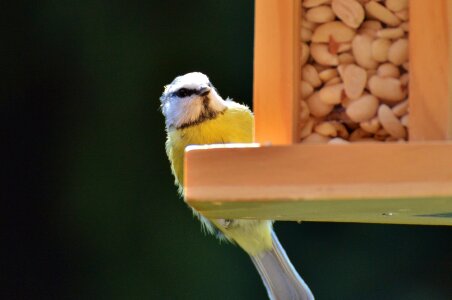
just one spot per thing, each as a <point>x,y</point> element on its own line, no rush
<point>354,71</point>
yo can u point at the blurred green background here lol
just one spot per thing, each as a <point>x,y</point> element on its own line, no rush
<point>89,206</point>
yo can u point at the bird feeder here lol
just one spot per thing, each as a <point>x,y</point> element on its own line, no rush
<point>281,177</point>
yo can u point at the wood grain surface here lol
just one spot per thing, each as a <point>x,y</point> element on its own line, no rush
<point>430,70</point>
<point>276,71</point>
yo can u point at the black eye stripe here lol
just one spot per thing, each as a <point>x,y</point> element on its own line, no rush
<point>183,92</point>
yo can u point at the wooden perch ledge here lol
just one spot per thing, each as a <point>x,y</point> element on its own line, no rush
<point>394,183</point>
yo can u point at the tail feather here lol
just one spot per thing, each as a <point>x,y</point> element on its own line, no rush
<point>279,275</point>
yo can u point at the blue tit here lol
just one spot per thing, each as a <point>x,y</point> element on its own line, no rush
<point>195,114</point>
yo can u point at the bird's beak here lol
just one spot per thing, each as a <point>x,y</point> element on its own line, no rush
<point>204,91</point>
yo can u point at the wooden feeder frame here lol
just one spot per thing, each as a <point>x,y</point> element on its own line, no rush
<point>373,182</point>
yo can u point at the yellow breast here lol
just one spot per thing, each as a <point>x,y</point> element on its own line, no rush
<point>234,125</point>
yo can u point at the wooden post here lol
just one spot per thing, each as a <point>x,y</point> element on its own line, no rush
<point>430,70</point>
<point>276,70</point>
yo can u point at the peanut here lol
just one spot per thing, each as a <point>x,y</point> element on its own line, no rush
<point>305,34</point>
<point>341,70</point>
<point>363,108</point>
<point>320,67</point>
<point>346,102</point>
<point>340,129</point>
<point>314,3</point>
<point>404,79</point>
<point>310,74</point>
<point>398,52</point>
<point>390,122</point>
<point>381,134</point>
<point>354,78</point>
<point>405,120</point>
<point>304,112</point>
<point>333,81</point>
<point>388,89</point>
<point>317,107</point>
<point>326,129</point>
<point>368,31</point>
<point>390,33</point>
<point>327,74</point>
<point>322,56</point>
<point>304,54</point>
<point>315,138</point>
<point>388,70</point>
<point>362,50</point>
<point>306,89</point>
<point>338,141</point>
<point>403,15</point>
<point>396,5</point>
<point>336,30</point>
<point>308,25</point>
<point>400,109</point>
<point>332,94</point>
<point>372,24</point>
<point>346,58</point>
<point>343,47</point>
<point>379,12</point>
<point>380,49</point>
<point>371,125</point>
<point>405,26</point>
<point>307,128</point>
<point>350,12</point>
<point>359,134</point>
<point>320,14</point>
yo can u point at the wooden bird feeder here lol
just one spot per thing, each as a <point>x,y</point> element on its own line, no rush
<point>279,178</point>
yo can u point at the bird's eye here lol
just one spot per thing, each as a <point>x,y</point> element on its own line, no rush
<point>182,93</point>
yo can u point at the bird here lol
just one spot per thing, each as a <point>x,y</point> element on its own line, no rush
<point>195,114</point>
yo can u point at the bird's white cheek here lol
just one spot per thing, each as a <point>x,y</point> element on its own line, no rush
<point>182,111</point>
<point>190,110</point>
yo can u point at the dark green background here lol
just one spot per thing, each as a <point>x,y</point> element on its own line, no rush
<point>89,207</point>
